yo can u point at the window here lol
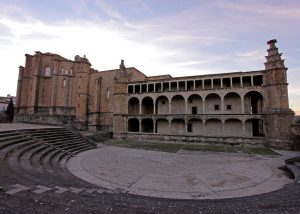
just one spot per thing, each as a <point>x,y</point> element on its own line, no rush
<point>228,107</point>
<point>194,110</point>
<point>64,83</point>
<point>216,107</point>
<point>163,102</point>
<point>190,127</point>
<point>47,71</point>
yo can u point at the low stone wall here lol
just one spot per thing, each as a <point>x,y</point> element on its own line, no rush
<point>191,139</point>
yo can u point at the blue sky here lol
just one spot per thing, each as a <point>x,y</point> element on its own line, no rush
<point>177,37</point>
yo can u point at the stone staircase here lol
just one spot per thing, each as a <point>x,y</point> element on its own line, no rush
<point>40,155</point>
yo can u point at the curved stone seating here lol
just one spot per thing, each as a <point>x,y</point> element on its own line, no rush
<point>293,165</point>
<point>40,155</point>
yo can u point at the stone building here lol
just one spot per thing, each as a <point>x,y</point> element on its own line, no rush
<point>238,107</point>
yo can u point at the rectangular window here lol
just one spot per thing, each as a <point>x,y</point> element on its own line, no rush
<point>228,107</point>
<point>216,107</point>
<point>194,110</point>
<point>190,127</point>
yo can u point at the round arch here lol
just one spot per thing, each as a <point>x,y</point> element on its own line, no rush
<point>162,105</point>
<point>147,125</point>
<point>178,104</point>
<point>162,126</point>
<point>147,105</point>
<point>213,127</point>
<point>233,127</point>
<point>253,102</point>
<point>232,103</point>
<point>133,125</point>
<point>133,106</point>
<point>195,126</point>
<point>195,104</point>
<point>254,127</point>
<point>178,126</point>
<point>213,104</point>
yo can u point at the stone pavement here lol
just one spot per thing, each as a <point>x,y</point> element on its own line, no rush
<point>181,175</point>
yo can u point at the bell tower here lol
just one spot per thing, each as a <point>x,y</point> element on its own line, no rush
<point>280,116</point>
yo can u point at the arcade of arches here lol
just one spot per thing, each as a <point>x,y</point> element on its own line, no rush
<point>230,114</point>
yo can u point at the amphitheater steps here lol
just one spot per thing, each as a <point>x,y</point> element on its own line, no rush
<point>40,156</point>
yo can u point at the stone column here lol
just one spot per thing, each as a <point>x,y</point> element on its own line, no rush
<point>186,106</point>
<point>140,105</point>
<point>222,105</point>
<point>243,105</point>
<point>154,109</point>
<point>241,79</point>
<point>154,126</point>
<point>244,130</point>
<point>140,126</point>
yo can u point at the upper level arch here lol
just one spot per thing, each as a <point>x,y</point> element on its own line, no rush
<point>133,106</point>
<point>213,104</point>
<point>147,105</point>
<point>232,103</point>
<point>194,104</point>
<point>178,104</point>
<point>253,102</point>
<point>162,105</point>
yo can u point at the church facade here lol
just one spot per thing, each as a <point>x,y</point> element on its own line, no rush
<point>238,107</point>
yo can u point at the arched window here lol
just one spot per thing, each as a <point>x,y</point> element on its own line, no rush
<point>47,71</point>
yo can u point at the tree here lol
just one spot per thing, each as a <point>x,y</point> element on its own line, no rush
<point>10,111</point>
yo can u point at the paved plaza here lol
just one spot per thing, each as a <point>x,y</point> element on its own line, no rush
<point>181,175</point>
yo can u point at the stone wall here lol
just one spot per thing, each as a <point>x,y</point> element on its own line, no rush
<point>191,139</point>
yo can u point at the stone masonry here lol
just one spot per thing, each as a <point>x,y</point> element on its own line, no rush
<point>239,107</point>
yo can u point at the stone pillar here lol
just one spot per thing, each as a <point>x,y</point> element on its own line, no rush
<point>154,126</point>
<point>140,105</point>
<point>230,82</point>
<point>222,105</point>
<point>244,129</point>
<point>221,82</point>
<point>154,109</point>
<point>186,106</point>
<point>203,106</point>
<point>241,79</point>
<point>170,107</point>
<point>243,105</point>
<point>251,80</point>
<point>140,126</point>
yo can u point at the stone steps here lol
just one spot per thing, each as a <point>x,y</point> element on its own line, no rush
<point>40,156</point>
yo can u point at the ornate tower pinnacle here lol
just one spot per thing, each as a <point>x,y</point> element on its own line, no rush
<point>274,60</point>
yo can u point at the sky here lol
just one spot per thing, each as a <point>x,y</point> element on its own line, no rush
<point>177,37</point>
